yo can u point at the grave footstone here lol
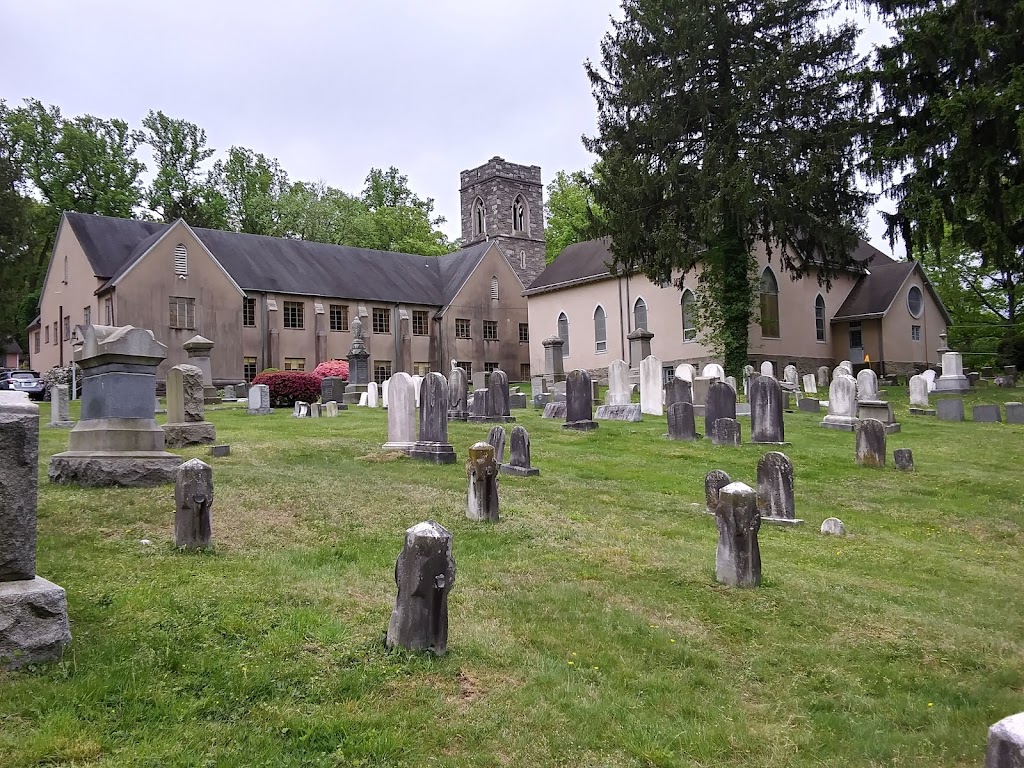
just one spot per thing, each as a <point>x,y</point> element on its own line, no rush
<point>720,404</point>
<point>725,431</point>
<point>904,459</point>
<point>482,472</point>
<point>220,451</point>
<point>776,500</point>
<point>193,505</point>
<point>1006,743</point>
<point>833,526</point>
<point>331,409</point>
<point>424,575</point>
<point>433,445</point>
<point>766,406</point>
<point>950,409</point>
<point>60,408</point>
<point>681,422</point>
<point>579,403</point>
<point>738,557</point>
<point>496,438</point>
<point>870,443</point>
<point>714,482</point>
<point>650,386</point>
<point>519,455</point>
<point>259,400</point>
<point>186,423</point>
<point>1015,413</point>
<point>842,403</point>
<point>401,414</point>
<point>986,413</point>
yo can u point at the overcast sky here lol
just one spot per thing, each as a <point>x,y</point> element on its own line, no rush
<point>331,89</point>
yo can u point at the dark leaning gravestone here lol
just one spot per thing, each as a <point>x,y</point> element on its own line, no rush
<point>424,575</point>
<point>738,557</point>
<point>579,402</point>
<point>725,431</point>
<point>681,422</point>
<point>519,455</point>
<point>433,445</point>
<point>482,494</point>
<point>766,406</point>
<point>870,442</point>
<point>714,482</point>
<point>776,500</point>
<point>720,404</point>
<point>496,437</point>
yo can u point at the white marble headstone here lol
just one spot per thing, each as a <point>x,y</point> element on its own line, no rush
<point>651,390</point>
<point>618,384</point>
<point>767,369</point>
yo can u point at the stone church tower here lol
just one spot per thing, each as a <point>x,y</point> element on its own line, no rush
<point>504,202</point>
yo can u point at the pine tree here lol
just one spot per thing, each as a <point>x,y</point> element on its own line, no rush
<point>723,124</point>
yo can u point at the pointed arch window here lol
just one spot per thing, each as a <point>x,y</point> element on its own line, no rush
<point>819,318</point>
<point>520,215</point>
<point>688,304</point>
<point>640,314</point>
<point>563,333</point>
<point>479,218</point>
<point>769,304</point>
<point>494,288</point>
<point>180,260</point>
<point>600,329</point>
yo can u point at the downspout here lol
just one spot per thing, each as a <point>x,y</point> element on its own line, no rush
<point>396,338</point>
<point>263,332</point>
<point>622,336</point>
<point>61,332</point>
<point>881,346</point>
<point>629,319</point>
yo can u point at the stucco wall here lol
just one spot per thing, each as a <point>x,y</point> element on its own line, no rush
<point>899,344</point>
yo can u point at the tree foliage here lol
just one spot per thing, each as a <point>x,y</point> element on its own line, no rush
<point>569,211</point>
<point>721,124</point>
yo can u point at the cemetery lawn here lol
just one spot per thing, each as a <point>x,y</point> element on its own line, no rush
<point>586,628</point>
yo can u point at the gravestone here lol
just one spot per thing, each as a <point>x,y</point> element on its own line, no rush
<point>650,386</point>
<point>809,405</point>
<point>259,400</point>
<point>499,405</point>
<point>229,393</point>
<point>766,420</point>
<point>904,459</point>
<point>725,431</point>
<point>639,344</point>
<point>810,384</point>
<point>417,383</point>
<point>618,384</point>
<point>60,408</point>
<point>823,376</point>
<point>701,386</point>
<point>842,403</point>
<point>776,501</point>
<point>791,378</point>
<point>629,412</point>
<point>880,410</point>
<point>554,411</point>
<point>220,451</point>
<point>738,557</point>
<point>929,376</point>
<point>331,409</point>
<point>517,400</point>
<point>478,405</point>
<point>950,409</point>
<point>1006,743</point>
<point>713,371</point>
<point>193,505</point>
<point>458,394</point>
<point>1015,413</point>
<point>986,413</point>
<point>33,611</point>
<point>519,455</point>
<point>867,385</point>
<point>988,372</point>
<point>748,373</point>
<point>714,482</point>
<point>373,395</point>
<point>554,359</point>
<point>721,404</point>
<point>681,422</point>
<point>186,424</point>
<point>496,438</point>
<point>870,443</point>
<point>333,388</point>
<point>315,411</point>
<point>678,391</point>
<point>385,385</point>
<point>302,410</point>
<point>686,372</point>
<point>482,472</point>
<point>731,381</point>
<point>833,526</point>
<point>424,575</point>
<point>952,378</point>
<point>579,403</point>
<point>433,445</point>
<point>541,399</point>
<point>538,385</point>
<point>919,405</point>
<point>401,414</point>
<point>847,366</point>
<point>358,363</point>
<point>841,370</point>
<point>767,369</point>
<point>117,441</point>
<point>198,350</point>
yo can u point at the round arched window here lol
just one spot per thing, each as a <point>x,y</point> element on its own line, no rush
<point>915,301</point>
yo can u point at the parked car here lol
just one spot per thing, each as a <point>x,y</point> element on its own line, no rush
<point>24,381</point>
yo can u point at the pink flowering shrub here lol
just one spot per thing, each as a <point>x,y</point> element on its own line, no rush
<point>337,368</point>
<point>288,386</point>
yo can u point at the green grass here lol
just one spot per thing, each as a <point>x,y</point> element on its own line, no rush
<point>586,628</point>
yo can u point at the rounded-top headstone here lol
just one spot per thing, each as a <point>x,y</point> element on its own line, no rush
<point>833,526</point>
<point>767,369</point>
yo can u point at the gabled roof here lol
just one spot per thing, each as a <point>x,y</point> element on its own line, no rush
<point>586,262</point>
<point>876,291</point>
<point>283,265</point>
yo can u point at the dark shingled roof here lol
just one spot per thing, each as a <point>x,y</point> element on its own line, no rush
<point>588,261</point>
<point>282,265</point>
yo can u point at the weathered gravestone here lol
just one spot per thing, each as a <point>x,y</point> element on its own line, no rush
<point>60,408</point>
<point>904,459</point>
<point>424,575</point>
<point>331,409</point>
<point>678,391</point>
<point>496,438</point>
<point>701,387</point>
<point>220,451</point>
<point>809,405</point>
<point>867,385</point>
<point>186,424</point>
<point>482,472</point>
<point>731,381</point>
<point>842,403</point>
<point>766,420</point>
<point>725,431</point>
<point>579,402</point>
<point>554,411</point>
<point>870,443</point>
<point>495,400</point>
<point>791,378</point>
<point>373,395</point>
<point>333,388</point>
<point>810,384</point>
<point>1006,743</point>
<point>713,371</point>
<point>554,361</point>
<point>686,372</point>
<point>618,384</point>
<point>401,414</point>
<point>198,350</point>
<point>229,393</point>
<point>952,378</point>
<point>193,505</point>
<point>33,611</point>
<point>1015,413</point>
<point>738,557</point>
<point>767,369</point>
<point>259,400</point>
<point>950,409</point>
<point>519,455</point>
<point>681,422</point>
<point>775,498</point>
<point>720,404</point>
<point>433,445</point>
<point>117,441</point>
<point>714,482</point>
<point>301,409</point>
<point>833,526</point>
<point>986,413</point>
<point>919,405</point>
<point>650,386</point>
<point>628,412</point>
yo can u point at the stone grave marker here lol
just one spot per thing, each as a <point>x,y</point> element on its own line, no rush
<point>776,500</point>
<point>496,438</point>
<point>686,372</point>
<point>220,451</point>
<point>714,482</point>
<point>919,405</point>
<point>725,431</point>
<point>333,388</point>
<point>767,369</point>
<point>867,385</point>
<point>823,376</point>
<point>870,443</point>
<point>952,378</point>
<point>1006,743</point>
<point>424,575</point>
<point>519,455</point>
<point>482,472</point>
<point>678,391</point>
<point>259,400</point>
<point>186,423</point>
<point>809,405</point>
<point>950,409</point>
<point>986,413</point>
<point>791,377</point>
<point>579,402</point>
<point>198,350</point>
<point>628,412</point>
<point>810,384</point>
<point>766,419</point>
<point>372,394</point>
<point>738,557</point>
<point>229,393</point>
<point>713,371</point>
<point>331,409</point>
<point>833,526</point>
<point>193,505</point>
<point>701,386</point>
<point>650,386</point>
<point>433,445</point>
<point>401,414</point>
<point>60,408</point>
<point>1015,413</point>
<point>904,459</point>
<point>554,411</point>
<point>681,422</point>
<point>720,404</point>
<point>842,403</point>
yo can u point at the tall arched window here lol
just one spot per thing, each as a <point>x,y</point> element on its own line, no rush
<point>819,318</point>
<point>689,311</point>
<point>563,333</point>
<point>769,304</point>
<point>180,260</point>
<point>494,288</point>
<point>640,314</point>
<point>520,215</point>
<point>479,218</point>
<point>600,330</point>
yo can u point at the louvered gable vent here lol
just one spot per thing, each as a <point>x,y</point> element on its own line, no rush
<point>180,260</point>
